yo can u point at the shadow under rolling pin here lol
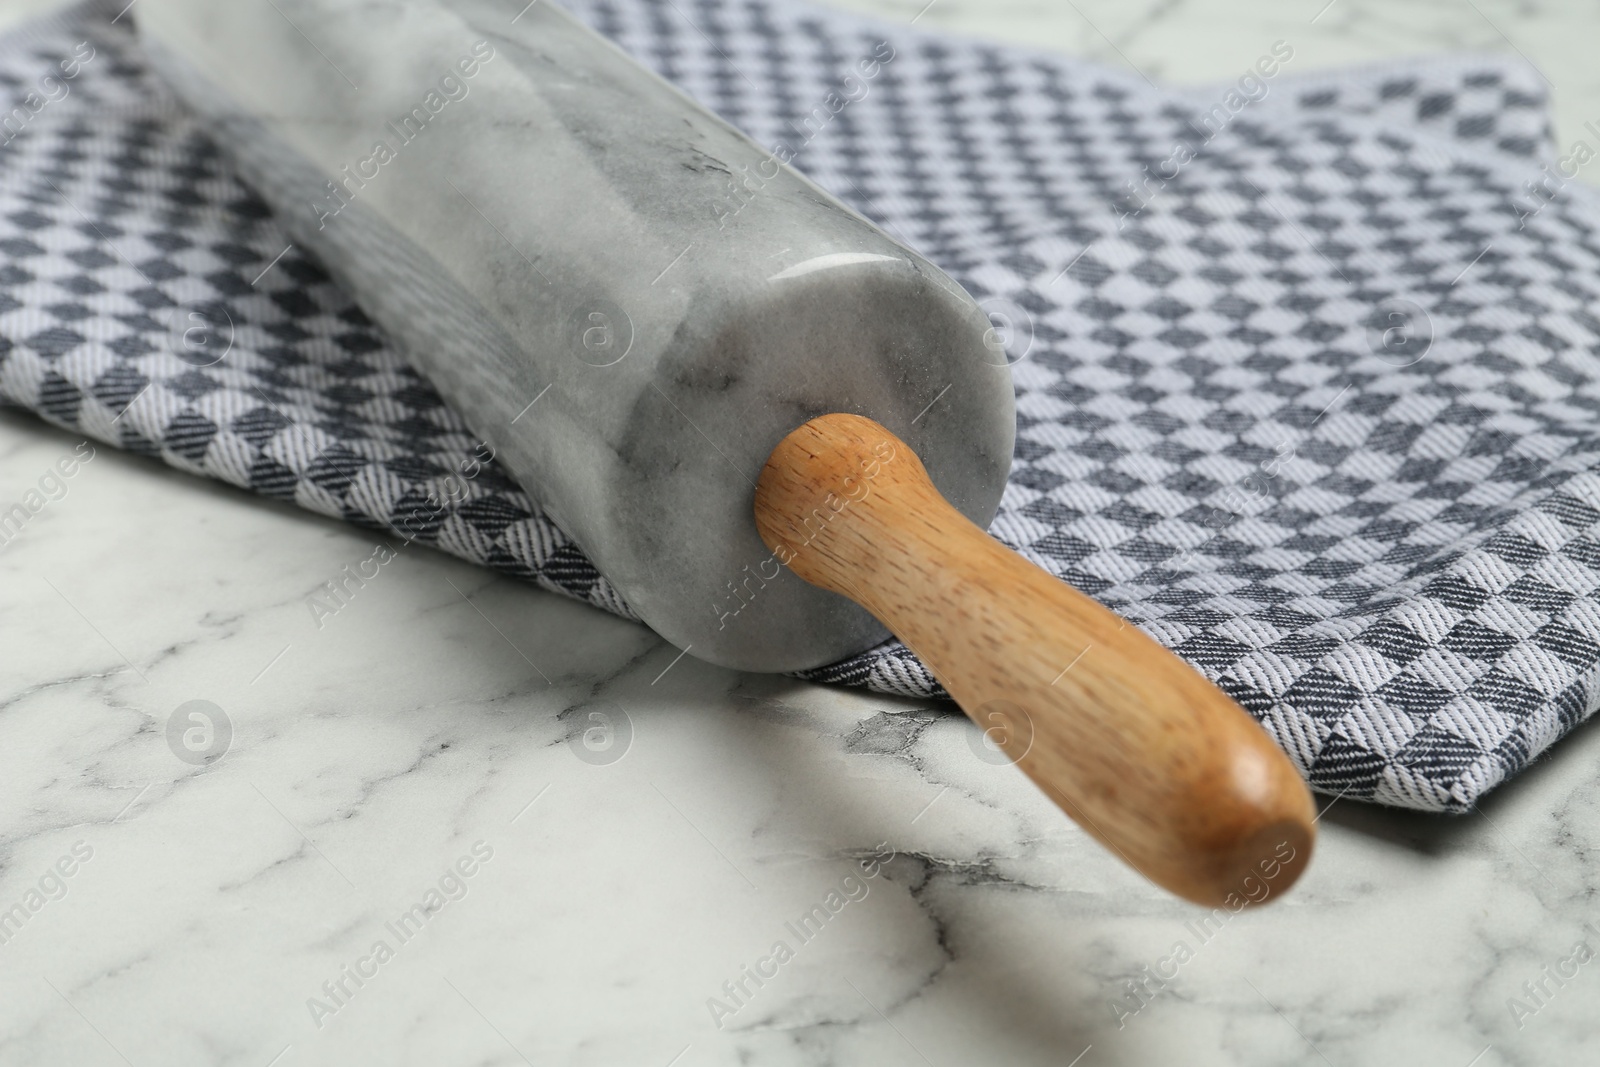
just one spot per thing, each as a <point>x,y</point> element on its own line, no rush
<point>1137,747</point>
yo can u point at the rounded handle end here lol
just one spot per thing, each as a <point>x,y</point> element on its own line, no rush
<point>1142,750</point>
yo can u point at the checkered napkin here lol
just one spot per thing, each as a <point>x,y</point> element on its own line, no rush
<point>1314,403</point>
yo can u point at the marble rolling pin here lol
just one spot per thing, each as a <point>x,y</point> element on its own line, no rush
<point>776,430</point>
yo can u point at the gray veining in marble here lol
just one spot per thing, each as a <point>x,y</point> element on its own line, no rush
<point>370,755</point>
<point>631,301</point>
<point>644,858</point>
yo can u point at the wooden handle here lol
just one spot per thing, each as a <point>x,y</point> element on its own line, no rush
<point>1144,752</point>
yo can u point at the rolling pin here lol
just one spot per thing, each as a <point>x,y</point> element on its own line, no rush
<point>779,432</point>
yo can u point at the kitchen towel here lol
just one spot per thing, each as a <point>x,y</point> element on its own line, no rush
<point>1306,366</point>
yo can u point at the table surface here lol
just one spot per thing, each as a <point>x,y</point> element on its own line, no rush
<point>229,913</point>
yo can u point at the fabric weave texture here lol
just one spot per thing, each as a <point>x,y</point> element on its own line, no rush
<point>1307,376</point>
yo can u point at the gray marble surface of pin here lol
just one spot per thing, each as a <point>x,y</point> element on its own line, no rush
<point>629,299</point>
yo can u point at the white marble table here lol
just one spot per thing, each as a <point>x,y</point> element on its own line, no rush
<point>426,725</point>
